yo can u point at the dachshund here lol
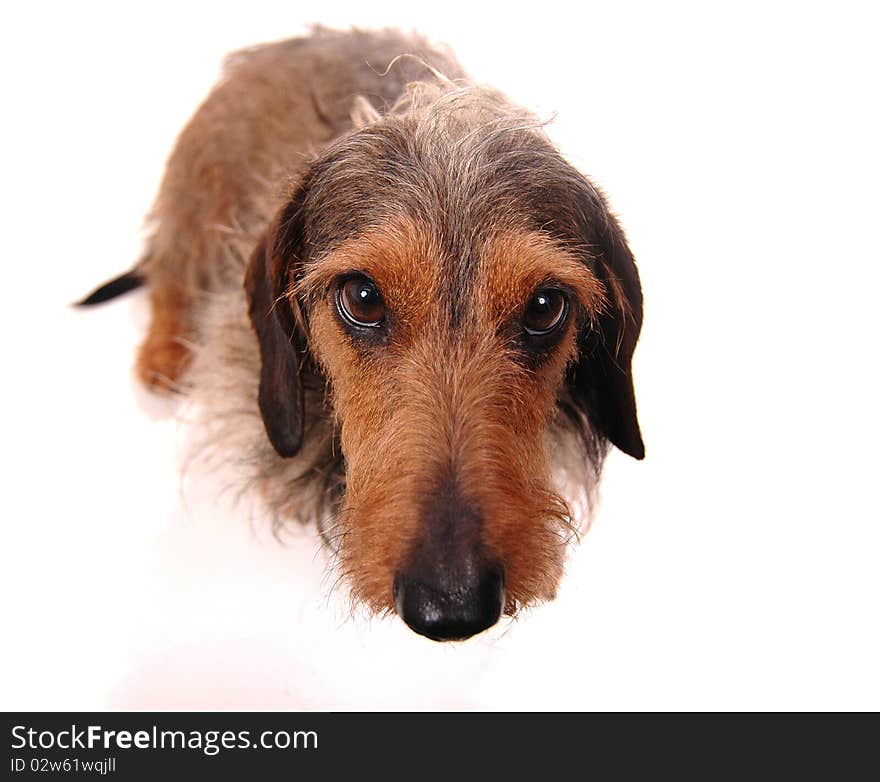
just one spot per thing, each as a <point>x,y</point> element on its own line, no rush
<point>403,312</point>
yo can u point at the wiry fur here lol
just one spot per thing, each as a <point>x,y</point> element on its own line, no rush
<point>304,164</point>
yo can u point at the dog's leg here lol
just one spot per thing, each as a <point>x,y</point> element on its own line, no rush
<point>164,354</point>
<point>186,256</point>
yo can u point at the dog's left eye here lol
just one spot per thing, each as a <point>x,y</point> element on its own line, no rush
<point>546,312</point>
<point>360,303</point>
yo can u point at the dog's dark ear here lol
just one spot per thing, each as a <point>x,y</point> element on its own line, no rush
<point>601,381</point>
<point>273,318</point>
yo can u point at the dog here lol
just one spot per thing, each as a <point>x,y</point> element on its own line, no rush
<point>404,313</point>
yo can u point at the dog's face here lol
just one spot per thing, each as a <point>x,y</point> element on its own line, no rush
<point>462,293</point>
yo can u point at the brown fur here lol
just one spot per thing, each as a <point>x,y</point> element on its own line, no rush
<point>164,355</point>
<point>444,432</point>
<point>407,417</point>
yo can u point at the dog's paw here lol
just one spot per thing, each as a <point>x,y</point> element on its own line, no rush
<point>161,363</point>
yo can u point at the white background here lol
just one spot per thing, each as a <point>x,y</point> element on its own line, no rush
<point>735,568</point>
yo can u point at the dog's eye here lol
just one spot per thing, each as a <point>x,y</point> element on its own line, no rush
<point>546,312</point>
<point>360,303</point>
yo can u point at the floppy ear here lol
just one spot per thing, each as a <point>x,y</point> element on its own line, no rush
<point>271,313</point>
<point>602,381</point>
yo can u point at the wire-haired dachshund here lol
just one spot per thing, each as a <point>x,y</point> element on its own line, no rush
<point>402,310</point>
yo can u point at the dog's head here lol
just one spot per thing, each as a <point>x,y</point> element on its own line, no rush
<point>467,295</point>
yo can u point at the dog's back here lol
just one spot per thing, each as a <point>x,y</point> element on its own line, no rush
<point>275,105</point>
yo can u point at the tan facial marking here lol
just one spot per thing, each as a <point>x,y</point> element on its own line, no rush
<point>514,264</point>
<point>433,404</point>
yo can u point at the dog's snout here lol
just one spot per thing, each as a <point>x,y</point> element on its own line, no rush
<point>450,615</point>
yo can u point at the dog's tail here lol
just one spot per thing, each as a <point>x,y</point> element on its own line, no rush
<point>129,281</point>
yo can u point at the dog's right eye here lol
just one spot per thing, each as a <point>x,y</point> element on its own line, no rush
<point>360,303</point>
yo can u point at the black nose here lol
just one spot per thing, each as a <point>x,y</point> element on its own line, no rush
<point>451,614</point>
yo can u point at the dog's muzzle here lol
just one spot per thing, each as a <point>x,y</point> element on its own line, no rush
<point>472,605</point>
